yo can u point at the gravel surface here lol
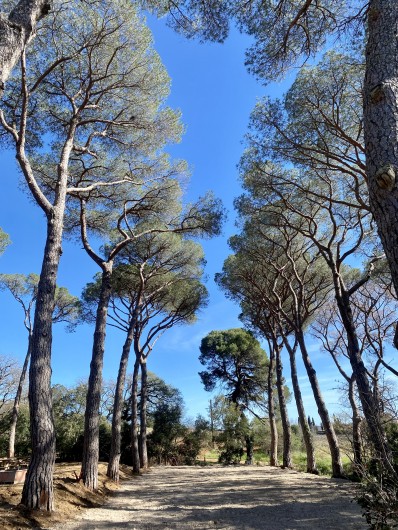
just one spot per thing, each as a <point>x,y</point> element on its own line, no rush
<point>227,498</point>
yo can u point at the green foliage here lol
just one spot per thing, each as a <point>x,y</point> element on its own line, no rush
<point>232,438</point>
<point>24,290</point>
<point>157,276</point>
<point>167,428</point>
<point>379,491</point>
<point>235,359</point>
<point>4,241</point>
<point>22,434</point>
<point>283,33</point>
<point>68,410</point>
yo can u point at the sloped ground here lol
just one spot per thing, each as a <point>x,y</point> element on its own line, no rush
<point>227,498</point>
<point>71,499</point>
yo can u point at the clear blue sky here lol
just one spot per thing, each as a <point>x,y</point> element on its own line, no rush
<point>211,87</point>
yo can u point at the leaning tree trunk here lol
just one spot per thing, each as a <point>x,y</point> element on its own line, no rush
<point>15,32</point>
<point>143,415</point>
<point>287,436</point>
<point>356,428</point>
<point>89,472</point>
<point>305,428</point>
<point>134,419</point>
<point>114,456</point>
<point>337,467</point>
<point>370,406</point>
<point>17,401</point>
<point>273,458</point>
<point>38,487</point>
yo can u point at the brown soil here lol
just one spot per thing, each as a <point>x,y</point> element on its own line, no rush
<point>226,498</point>
<point>71,499</point>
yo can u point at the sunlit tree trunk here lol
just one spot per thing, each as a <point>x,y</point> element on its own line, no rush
<point>38,487</point>
<point>287,437</point>
<point>305,428</point>
<point>337,467</point>
<point>114,456</point>
<point>134,419</point>
<point>90,458</point>
<point>381,123</point>
<point>143,415</point>
<point>273,459</point>
<point>370,406</point>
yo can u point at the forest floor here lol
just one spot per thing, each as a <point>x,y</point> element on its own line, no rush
<point>227,498</point>
<point>207,497</point>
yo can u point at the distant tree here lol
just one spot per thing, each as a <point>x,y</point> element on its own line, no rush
<point>157,210</point>
<point>66,309</point>
<point>249,278</point>
<point>154,287</point>
<point>234,431</point>
<point>235,360</point>
<point>8,381</point>
<point>167,428</point>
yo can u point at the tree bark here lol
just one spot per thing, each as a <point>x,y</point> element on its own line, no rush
<point>38,487</point>
<point>15,31</point>
<point>337,467</point>
<point>90,458</point>
<point>381,123</point>
<point>143,415</point>
<point>114,457</point>
<point>356,428</point>
<point>17,401</point>
<point>273,457</point>
<point>305,428</point>
<point>287,436</point>
<point>381,148</point>
<point>134,419</point>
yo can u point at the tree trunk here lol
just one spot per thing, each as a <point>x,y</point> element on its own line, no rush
<point>15,32</point>
<point>381,123</point>
<point>114,457</point>
<point>337,467</point>
<point>287,437</point>
<point>305,428</point>
<point>38,487</point>
<point>356,428</point>
<point>143,415</point>
<point>90,458</point>
<point>370,406</point>
<point>249,450</point>
<point>17,401</point>
<point>381,148</point>
<point>134,419</point>
<point>273,458</point>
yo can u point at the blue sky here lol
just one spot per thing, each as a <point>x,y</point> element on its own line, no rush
<point>211,87</point>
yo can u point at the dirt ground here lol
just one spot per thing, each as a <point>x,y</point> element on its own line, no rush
<point>227,498</point>
<point>71,499</point>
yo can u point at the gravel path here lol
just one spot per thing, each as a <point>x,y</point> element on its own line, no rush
<point>227,498</point>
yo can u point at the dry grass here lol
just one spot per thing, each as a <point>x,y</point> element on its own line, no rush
<point>71,499</point>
